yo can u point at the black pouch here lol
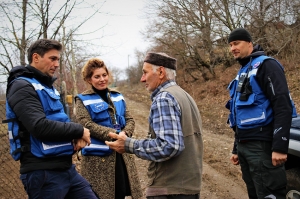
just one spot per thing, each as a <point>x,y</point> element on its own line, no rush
<point>241,84</point>
<point>247,91</point>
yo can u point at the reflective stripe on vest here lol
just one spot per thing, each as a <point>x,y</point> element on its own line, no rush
<point>98,108</point>
<point>256,111</point>
<point>53,109</point>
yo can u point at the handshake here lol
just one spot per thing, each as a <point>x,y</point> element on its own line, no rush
<point>85,140</point>
<point>118,144</point>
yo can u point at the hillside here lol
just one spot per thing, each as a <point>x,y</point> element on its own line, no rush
<point>221,179</point>
<point>211,96</point>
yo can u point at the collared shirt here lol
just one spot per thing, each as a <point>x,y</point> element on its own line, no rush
<point>165,120</point>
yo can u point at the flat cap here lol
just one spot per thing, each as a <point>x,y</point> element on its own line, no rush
<point>161,59</point>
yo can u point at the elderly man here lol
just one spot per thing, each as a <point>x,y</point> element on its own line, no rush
<point>175,146</point>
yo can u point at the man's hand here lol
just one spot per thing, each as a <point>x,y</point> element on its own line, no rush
<point>86,136</point>
<point>79,144</point>
<point>234,159</point>
<point>119,144</point>
<point>278,158</point>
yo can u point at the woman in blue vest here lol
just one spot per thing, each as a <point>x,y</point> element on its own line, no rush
<point>103,110</point>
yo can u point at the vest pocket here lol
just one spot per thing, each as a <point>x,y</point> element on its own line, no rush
<point>53,100</point>
<point>273,177</point>
<point>231,87</point>
<point>151,173</point>
<point>231,120</point>
<point>250,116</point>
<point>250,112</point>
<point>50,149</point>
<point>99,114</point>
<point>121,120</point>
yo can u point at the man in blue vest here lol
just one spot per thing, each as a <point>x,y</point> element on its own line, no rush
<point>261,111</point>
<point>48,138</point>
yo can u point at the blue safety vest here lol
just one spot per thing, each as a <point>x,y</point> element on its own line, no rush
<point>53,109</point>
<point>256,111</point>
<point>98,110</point>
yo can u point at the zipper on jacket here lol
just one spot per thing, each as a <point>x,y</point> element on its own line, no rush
<point>271,85</point>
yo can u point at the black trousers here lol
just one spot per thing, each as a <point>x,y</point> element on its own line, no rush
<point>263,180</point>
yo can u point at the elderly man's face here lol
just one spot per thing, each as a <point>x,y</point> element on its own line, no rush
<point>150,78</point>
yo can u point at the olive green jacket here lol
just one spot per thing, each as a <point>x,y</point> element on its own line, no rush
<point>181,174</point>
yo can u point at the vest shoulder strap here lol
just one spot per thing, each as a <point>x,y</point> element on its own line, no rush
<point>256,62</point>
<point>9,120</point>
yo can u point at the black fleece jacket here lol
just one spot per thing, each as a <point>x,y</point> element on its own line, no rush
<point>24,101</point>
<point>270,77</point>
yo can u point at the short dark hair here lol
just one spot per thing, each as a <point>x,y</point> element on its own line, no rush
<point>41,47</point>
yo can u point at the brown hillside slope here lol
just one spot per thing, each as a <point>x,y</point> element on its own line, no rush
<point>211,97</point>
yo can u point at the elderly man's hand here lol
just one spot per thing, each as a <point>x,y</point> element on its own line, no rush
<point>119,144</point>
<point>79,144</point>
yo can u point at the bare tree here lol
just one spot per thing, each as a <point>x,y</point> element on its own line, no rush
<point>11,39</point>
<point>48,19</point>
<point>72,60</point>
<point>196,31</point>
<point>185,29</point>
<point>271,24</point>
<point>115,74</point>
<point>38,19</point>
<point>134,72</point>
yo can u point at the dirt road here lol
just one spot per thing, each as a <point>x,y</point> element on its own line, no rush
<point>221,180</point>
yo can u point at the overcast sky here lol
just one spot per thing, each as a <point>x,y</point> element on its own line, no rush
<point>122,21</point>
<point>121,34</point>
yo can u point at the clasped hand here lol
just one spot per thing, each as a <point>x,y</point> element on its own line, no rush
<point>84,141</point>
<point>119,141</point>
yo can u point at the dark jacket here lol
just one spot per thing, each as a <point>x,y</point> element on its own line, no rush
<point>278,94</point>
<point>25,103</point>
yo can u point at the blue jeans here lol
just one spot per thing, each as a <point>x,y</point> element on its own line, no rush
<point>49,184</point>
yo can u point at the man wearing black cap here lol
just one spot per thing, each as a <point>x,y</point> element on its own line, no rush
<point>261,111</point>
<point>175,147</point>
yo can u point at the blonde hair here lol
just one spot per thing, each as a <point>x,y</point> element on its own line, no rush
<point>90,66</point>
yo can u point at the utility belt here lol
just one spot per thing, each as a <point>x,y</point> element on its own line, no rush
<point>263,133</point>
<point>267,128</point>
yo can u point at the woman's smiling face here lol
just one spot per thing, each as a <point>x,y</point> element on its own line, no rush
<point>99,79</point>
